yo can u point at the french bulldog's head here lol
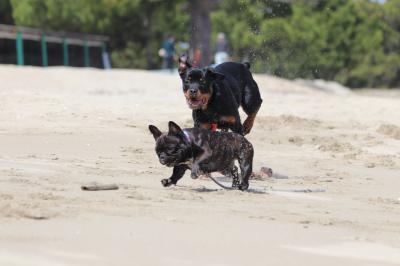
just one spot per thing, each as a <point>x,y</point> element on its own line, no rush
<point>172,148</point>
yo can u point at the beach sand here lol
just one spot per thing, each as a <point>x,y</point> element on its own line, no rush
<point>62,128</point>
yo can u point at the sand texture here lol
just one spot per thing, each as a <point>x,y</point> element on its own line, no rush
<point>63,128</point>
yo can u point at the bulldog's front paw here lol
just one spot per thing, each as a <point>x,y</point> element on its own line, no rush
<point>166,182</point>
<point>194,175</point>
<point>195,172</point>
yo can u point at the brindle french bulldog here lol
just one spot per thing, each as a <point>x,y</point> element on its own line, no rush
<point>203,151</point>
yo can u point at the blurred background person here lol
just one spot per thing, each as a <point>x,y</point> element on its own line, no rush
<point>221,49</point>
<point>167,52</point>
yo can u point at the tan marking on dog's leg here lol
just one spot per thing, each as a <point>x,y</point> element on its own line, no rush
<point>205,125</point>
<point>228,119</point>
<point>248,123</point>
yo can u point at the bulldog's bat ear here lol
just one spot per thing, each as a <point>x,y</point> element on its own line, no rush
<point>214,74</point>
<point>155,131</point>
<point>183,65</point>
<point>174,129</point>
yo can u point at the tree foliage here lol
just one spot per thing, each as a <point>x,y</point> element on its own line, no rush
<point>355,42</point>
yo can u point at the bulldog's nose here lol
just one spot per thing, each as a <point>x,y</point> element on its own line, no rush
<point>162,159</point>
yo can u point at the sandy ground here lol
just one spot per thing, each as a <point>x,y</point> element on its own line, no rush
<point>62,128</point>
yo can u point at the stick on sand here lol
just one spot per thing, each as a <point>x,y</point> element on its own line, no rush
<point>96,187</point>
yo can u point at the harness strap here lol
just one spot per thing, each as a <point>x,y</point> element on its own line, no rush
<point>219,184</point>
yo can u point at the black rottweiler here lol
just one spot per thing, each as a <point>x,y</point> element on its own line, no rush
<point>204,151</point>
<point>215,94</point>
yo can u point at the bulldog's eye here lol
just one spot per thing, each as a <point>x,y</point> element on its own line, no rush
<point>174,151</point>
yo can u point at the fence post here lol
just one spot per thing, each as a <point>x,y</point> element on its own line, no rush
<point>45,62</point>
<point>65,53</point>
<point>20,49</point>
<point>86,56</point>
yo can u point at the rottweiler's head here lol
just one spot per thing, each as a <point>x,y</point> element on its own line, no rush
<point>197,83</point>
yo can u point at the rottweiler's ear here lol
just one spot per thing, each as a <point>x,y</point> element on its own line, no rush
<point>183,64</point>
<point>214,74</point>
<point>174,129</point>
<point>155,131</point>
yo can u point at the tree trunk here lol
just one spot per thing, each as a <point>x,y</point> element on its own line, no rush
<point>6,12</point>
<point>200,31</point>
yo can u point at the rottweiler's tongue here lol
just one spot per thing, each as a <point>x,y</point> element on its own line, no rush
<point>195,102</point>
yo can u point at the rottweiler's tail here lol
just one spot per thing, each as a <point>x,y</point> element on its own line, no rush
<point>247,64</point>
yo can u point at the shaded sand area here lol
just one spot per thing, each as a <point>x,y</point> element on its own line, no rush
<point>62,128</point>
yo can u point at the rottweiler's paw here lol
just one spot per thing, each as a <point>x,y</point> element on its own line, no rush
<point>166,182</point>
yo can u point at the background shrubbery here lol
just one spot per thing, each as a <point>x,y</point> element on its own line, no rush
<point>356,42</point>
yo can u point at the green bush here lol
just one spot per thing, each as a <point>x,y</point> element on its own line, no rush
<point>354,42</point>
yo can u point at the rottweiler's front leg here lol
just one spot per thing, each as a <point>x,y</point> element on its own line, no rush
<point>238,128</point>
<point>232,122</point>
<point>177,174</point>
<point>206,125</point>
<point>200,120</point>
<point>248,123</point>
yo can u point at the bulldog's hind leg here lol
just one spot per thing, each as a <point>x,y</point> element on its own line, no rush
<point>246,165</point>
<point>234,174</point>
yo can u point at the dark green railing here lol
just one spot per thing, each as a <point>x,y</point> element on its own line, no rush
<point>19,34</point>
